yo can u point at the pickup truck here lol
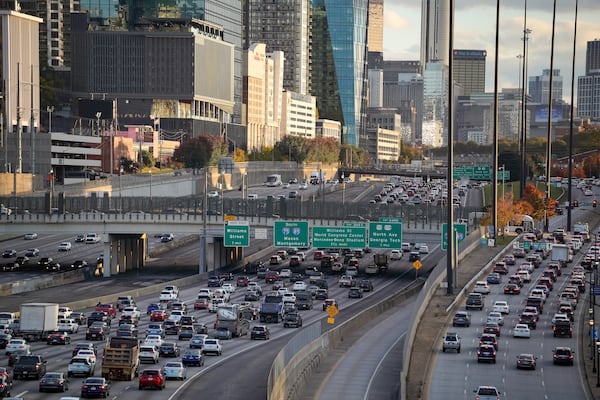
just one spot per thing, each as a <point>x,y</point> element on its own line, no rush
<point>451,342</point>
<point>80,366</point>
<point>29,366</point>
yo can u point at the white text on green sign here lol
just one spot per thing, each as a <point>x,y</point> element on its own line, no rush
<point>290,234</point>
<point>385,235</point>
<point>237,234</point>
<point>339,237</point>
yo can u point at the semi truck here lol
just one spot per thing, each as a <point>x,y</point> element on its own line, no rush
<point>120,361</point>
<point>381,262</point>
<point>37,320</point>
<point>272,309</point>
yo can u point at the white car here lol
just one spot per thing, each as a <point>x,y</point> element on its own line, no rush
<point>289,297</point>
<point>501,307</point>
<point>149,354</point>
<point>215,303</point>
<point>301,255</point>
<point>213,194</point>
<point>396,255</point>
<point>64,246</point>
<point>30,236</point>
<point>352,271</point>
<point>560,317</point>
<point>495,317</point>
<point>521,330</point>
<point>588,192</point>
<point>527,266</point>
<point>525,276</point>
<point>285,273</point>
<point>89,354</point>
<point>16,345</point>
<point>212,346</point>
<point>176,315</point>
<point>172,288</point>
<point>133,312</point>
<point>68,325</point>
<point>153,340</point>
<point>175,370</point>
<point>299,286</point>
<point>406,247</point>
<point>228,287</point>
<point>167,295</point>
<point>64,312</point>
<point>424,249</point>
<point>303,186</point>
<point>481,287</point>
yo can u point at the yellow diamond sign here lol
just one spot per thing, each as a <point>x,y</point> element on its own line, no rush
<point>332,311</point>
<point>417,264</point>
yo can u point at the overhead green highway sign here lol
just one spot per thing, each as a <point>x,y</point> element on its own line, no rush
<point>339,237</point>
<point>237,234</point>
<point>290,234</point>
<point>385,235</point>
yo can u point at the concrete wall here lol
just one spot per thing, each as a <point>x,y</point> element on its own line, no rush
<point>23,183</point>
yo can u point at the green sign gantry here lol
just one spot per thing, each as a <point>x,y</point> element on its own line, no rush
<point>237,234</point>
<point>290,234</point>
<point>460,230</point>
<point>385,235</point>
<point>338,237</point>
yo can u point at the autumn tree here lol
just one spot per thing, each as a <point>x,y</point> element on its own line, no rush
<point>200,152</point>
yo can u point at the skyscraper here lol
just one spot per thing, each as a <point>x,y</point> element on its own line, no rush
<point>434,31</point>
<point>283,26</point>
<point>539,87</point>
<point>339,39</point>
<point>469,70</point>
<point>588,86</point>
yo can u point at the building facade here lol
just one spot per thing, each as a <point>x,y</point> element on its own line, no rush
<point>328,129</point>
<point>588,86</point>
<point>298,115</point>
<point>469,70</point>
<point>434,31</point>
<point>283,26</point>
<point>539,87</point>
<point>339,59</point>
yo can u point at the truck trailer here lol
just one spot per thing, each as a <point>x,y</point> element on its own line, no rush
<point>37,320</point>
<point>121,359</point>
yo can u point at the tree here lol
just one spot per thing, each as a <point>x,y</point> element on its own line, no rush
<point>200,152</point>
<point>147,159</point>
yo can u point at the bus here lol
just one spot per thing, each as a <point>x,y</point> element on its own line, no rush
<point>519,224</point>
<point>234,317</point>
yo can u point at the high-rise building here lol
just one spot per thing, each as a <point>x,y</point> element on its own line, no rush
<point>375,53</point>
<point>539,87</point>
<point>435,103</point>
<point>375,26</point>
<point>283,26</point>
<point>588,86</point>
<point>469,70</point>
<point>339,78</point>
<point>434,31</point>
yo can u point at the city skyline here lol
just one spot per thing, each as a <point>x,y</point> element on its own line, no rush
<point>402,31</point>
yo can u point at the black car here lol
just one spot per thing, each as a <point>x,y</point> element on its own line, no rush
<point>461,318</point>
<point>85,346</point>
<point>529,319</point>
<point>4,339</point>
<point>169,349</point>
<point>486,352</point>
<point>98,316</point>
<point>355,293</point>
<point>260,332</point>
<point>366,285</point>
<point>79,264</point>
<point>200,327</point>
<point>95,387</point>
<point>10,253</point>
<point>55,382</point>
<point>127,330</point>
<point>97,331</point>
<point>526,361</point>
<point>292,320</point>
<point>214,281</point>
<point>563,355</point>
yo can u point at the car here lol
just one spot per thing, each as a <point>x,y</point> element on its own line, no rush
<point>30,236</point>
<point>78,264</point>
<point>561,317</point>
<point>563,355</point>
<point>169,349</point>
<point>84,346</point>
<point>193,358</point>
<point>509,259</point>
<point>167,237</point>
<point>95,387</point>
<point>486,352</point>
<point>492,328</point>
<point>212,346</point>
<point>346,281</point>
<point>16,344</point>
<point>54,382</point>
<point>149,354</point>
<point>64,246</point>
<point>167,295</point>
<point>487,393</point>
<point>451,342</point>
<point>521,331</point>
<point>501,306</point>
<point>292,320</point>
<point>242,281</point>
<point>396,255</point>
<point>494,278</point>
<point>355,293</point>
<point>97,331</point>
<point>260,332</point>
<point>512,288</point>
<point>214,281</point>
<point>529,319</point>
<point>526,361</point>
<point>58,338</point>
<point>10,253</point>
<point>461,318</point>
<point>481,287</point>
<point>495,316</point>
<point>175,370</point>
<point>475,301</point>
<point>299,286</point>
<point>414,256</point>
<point>6,384</point>
<point>80,366</point>
<point>222,333</point>
<point>519,253</point>
<point>423,249</point>
<point>5,337</point>
<point>329,303</point>
<point>365,285</point>
<point>562,328</point>
<point>158,316</point>
<point>33,252</point>
<point>152,378</point>
<point>153,340</point>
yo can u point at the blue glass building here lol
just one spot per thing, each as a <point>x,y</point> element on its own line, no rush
<point>339,63</point>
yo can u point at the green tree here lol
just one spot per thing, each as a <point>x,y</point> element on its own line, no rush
<point>200,152</point>
<point>147,159</point>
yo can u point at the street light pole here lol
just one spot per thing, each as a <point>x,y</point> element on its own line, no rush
<point>51,179</point>
<point>50,110</point>
<point>120,190</point>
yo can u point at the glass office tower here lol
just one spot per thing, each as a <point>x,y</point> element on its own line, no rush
<point>339,38</point>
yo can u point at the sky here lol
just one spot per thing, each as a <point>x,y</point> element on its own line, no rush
<point>475,28</point>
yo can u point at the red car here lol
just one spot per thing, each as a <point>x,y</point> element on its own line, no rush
<point>158,316</point>
<point>152,378</point>
<point>108,309</point>
<point>202,304</point>
<point>501,268</point>
<point>242,281</point>
<point>512,288</point>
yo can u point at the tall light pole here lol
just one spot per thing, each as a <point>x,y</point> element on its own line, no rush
<point>51,179</point>
<point>50,110</point>
<point>120,190</point>
<point>502,169</point>
<point>523,133</point>
<point>570,188</point>
<point>549,134</point>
